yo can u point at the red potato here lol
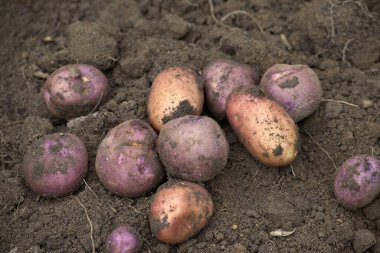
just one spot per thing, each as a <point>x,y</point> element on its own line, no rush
<point>75,90</point>
<point>179,210</point>
<point>55,165</point>
<point>263,126</point>
<point>295,87</point>
<point>175,92</point>
<point>122,239</point>
<point>221,78</point>
<point>126,162</point>
<point>193,148</point>
<point>357,182</point>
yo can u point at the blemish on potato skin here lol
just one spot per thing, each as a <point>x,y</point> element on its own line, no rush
<point>159,224</point>
<point>278,150</point>
<point>349,182</point>
<point>184,108</point>
<point>289,83</point>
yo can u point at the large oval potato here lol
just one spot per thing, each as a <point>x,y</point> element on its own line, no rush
<point>179,210</point>
<point>175,92</point>
<point>193,148</point>
<point>263,126</point>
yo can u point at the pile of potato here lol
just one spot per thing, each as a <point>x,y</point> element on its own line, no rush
<point>132,158</point>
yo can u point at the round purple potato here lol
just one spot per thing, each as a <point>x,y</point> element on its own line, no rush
<point>126,162</point>
<point>221,78</point>
<point>122,240</point>
<point>357,182</point>
<point>55,165</point>
<point>193,148</point>
<point>295,87</point>
<point>75,90</point>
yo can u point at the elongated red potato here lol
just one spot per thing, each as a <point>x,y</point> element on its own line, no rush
<point>263,126</point>
<point>179,210</point>
<point>175,92</point>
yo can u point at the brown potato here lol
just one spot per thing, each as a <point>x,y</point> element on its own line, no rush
<point>264,128</point>
<point>179,210</point>
<point>175,92</point>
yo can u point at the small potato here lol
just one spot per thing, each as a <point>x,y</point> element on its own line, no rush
<point>55,165</point>
<point>122,239</point>
<point>126,162</point>
<point>193,148</point>
<point>75,90</point>
<point>175,92</point>
<point>295,87</point>
<point>179,210</point>
<point>221,78</point>
<point>263,126</point>
<point>357,181</point>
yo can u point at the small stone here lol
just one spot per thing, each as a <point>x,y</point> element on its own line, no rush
<point>209,235</point>
<point>366,103</point>
<point>234,227</point>
<point>41,75</point>
<point>201,245</point>
<point>364,239</point>
<point>333,110</point>
<point>219,236</point>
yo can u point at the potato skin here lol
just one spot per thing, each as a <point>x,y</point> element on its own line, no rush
<point>193,148</point>
<point>179,210</point>
<point>221,78</point>
<point>75,90</point>
<point>263,126</point>
<point>296,87</point>
<point>55,164</point>
<point>126,162</point>
<point>357,182</point>
<point>122,240</point>
<point>175,92</point>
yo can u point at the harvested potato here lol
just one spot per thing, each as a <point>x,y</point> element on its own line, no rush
<point>179,210</point>
<point>175,92</point>
<point>126,162</point>
<point>357,181</point>
<point>221,78</point>
<point>193,148</point>
<point>295,87</point>
<point>263,126</point>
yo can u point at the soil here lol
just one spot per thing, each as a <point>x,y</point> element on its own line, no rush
<point>132,41</point>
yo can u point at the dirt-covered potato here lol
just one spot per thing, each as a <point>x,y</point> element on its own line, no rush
<point>126,162</point>
<point>296,87</point>
<point>122,239</point>
<point>55,164</point>
<point>179,210</point>
<point>263,126</point>
<point>357,181</point>
<point>175,92</point>
<point>221,78</point>
<point>75,90</point>
<point>193,148</point>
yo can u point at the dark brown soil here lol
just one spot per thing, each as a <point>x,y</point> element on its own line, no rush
<point>340,40</point>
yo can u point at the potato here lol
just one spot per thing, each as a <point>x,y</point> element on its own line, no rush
<point>263,126</point>
<point>55,164</point>
<point>75,90</point>
<point>357,181</point>
<point>295,87</point>
<point>179,210</point>
<point>122,239</point>
<point>193,148</point>
<point>221,78</point>
<point>175,92</point>
<point>126,162</point>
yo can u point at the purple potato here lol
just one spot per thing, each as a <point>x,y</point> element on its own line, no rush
<point>55,165</point>
<point>295,87</point>
<point>357,182</point>
<point>122,239</point>
<point>75,90</point>
<point>221,78</point>
<point>126,162</point>
<point>193,148</point>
